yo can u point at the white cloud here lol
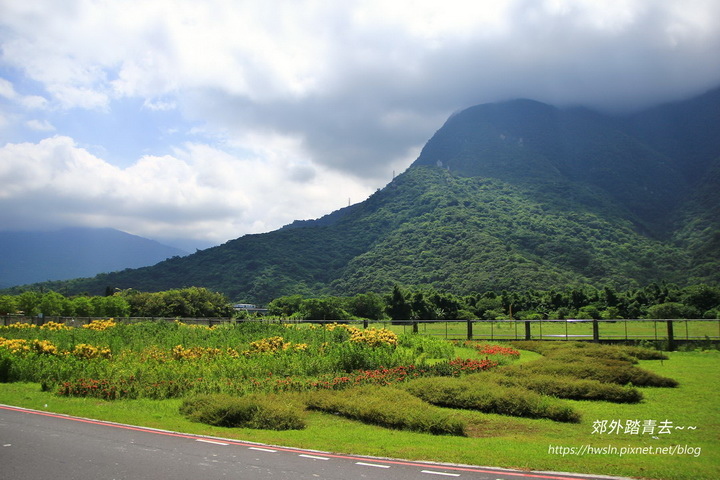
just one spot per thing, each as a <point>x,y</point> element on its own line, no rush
<point>7,90</point>
<point>86,52</point>
<point>199,192</point>
<point>32,102</point>
<point>40,125</point>
<point>296,105</point>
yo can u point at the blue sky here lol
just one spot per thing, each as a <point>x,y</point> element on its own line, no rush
<point>193,123</point>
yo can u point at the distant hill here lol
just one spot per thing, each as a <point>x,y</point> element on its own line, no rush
<point>514,195</point>
<point>31,257</point>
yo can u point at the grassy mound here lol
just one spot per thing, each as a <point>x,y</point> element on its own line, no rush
<point>625,353</point>
<point>476,394</point>
<point>251,411</point>
<point>607,371</point>
<point>387,407</point>
<point>571,388</point>
<point>591,361</point>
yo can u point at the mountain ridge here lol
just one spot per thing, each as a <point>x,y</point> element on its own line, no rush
<point>513,195</point>
<point>35,256</point>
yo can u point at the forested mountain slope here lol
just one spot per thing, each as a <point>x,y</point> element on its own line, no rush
<point>512,195</point>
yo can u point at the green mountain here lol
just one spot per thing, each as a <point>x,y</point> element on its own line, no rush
<point>512,195</point>
<point>29,257</point>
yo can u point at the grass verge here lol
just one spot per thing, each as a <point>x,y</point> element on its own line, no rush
<point>492,439</point>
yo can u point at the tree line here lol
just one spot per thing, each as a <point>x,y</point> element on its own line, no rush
<point>652,301</point>
<point>185,302</point>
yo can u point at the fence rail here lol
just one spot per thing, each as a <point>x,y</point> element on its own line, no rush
<point>670,331</point>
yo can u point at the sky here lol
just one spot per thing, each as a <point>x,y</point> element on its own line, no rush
<point>196,122</point>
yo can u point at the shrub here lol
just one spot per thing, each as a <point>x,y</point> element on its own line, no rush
<point>572,388</point>
<point>5,367</point>
<point>572,350</point>
<point>386,407</point>
<point>252,411</point>
<point>608,371</point>
<point>642,353</point>
<point>427,346</point>
<point>459,366</point>
<point>474,394</point>
<point>349,356</point>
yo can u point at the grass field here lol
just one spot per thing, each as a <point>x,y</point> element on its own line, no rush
<point>561,329</point>
<point>494,440</point>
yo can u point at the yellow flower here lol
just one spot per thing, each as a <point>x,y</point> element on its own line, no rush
<point>273,345</point>
<point>179,352</point>
<point>15,345</point>
<point>54,326</point>
<point>374,337</point>
<point>83,350</point>
<point>44,347</point>
<point>21,326</point>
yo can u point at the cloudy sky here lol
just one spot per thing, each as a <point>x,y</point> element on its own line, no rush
<point>207,120</point>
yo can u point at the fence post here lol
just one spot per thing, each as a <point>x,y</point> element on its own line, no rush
<point>527,330</point>
<point>596,331</point>
<point>671,336</point>
<point>469,329</point>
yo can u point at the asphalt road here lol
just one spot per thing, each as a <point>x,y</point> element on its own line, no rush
<point>38,445</point>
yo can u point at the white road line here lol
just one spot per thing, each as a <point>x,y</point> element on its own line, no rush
<point>263,449</point>
<point>211,441</point>
<point>372,465</point>
<point>440,473</point>
<point>313,457</point>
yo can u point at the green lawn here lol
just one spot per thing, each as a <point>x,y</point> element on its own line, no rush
<point>618,330</point>
<point>495,440</point>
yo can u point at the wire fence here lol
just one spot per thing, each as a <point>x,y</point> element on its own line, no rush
<point>670,331</point>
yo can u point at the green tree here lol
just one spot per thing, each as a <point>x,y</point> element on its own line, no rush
<point>8,305</point>
<point>185,302</point>
<point>116,306</point>
<point>328,308</point>
<point>589,311</point>
<point>398,307</point>
<point>702,297</point>
<point>422,307</point>
<point>367,305</point>
<point>670,310</point>
<point>610,313</point>
<point>285,306</point>
<point>82,306</point>
<point>29,302</point>
<point>52,304</point>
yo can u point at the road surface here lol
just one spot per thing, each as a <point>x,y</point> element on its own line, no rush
<point>40,445</point>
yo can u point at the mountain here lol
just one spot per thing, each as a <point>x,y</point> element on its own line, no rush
<point>30,257</point>
<point>513,195</point>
